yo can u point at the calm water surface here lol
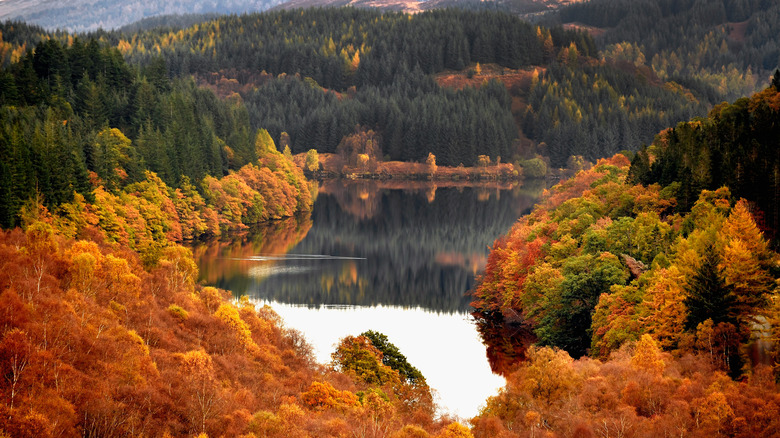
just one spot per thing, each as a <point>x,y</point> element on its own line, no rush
<point>390,259</point>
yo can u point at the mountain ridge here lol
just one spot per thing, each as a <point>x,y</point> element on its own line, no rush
<point>91,15</point>
<point>522,7</point>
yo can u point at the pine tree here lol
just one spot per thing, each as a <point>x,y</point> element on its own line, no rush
<point>708,295</point>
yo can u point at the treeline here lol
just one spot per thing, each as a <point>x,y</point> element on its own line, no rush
<point>323,43</point>
<point>17,37</point>
<point>729,45</point>
<point>175,21</point>
<point>148,215</point>
<point>95,341</point>
<point>76,116</point>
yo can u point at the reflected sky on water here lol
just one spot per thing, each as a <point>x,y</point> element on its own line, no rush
<point>445,347</point>
<point>394,260</point>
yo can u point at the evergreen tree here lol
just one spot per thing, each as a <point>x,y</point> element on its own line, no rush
<point>392,357</point>
<point>708,296</point>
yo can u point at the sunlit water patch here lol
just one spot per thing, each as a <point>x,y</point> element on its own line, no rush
<point>445,347</point>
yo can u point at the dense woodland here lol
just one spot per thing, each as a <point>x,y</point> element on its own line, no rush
<point>79,124</point>
<point>318,74</point>
<point>98,342</point>
<point>654,270</point>
<point>672,285</point>
<point>727,45</point>
<point>735,146</point>
<point>596,110</point>
<point>707,50</point>
<point>381,64</point>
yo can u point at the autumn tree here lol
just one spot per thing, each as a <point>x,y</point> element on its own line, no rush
<point>357,356</point>
<point>312,160</point>
<point>113,152</point>
<point>360,149</point>
<point>431,163</point>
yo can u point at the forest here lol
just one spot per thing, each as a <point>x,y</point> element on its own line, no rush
<point>317,75</point>
<point>647,282</point>
<point>98,341</point>
<point>79,125</point>
<point>728,46</point>
<point>648,288</point>
<point>378,68</point>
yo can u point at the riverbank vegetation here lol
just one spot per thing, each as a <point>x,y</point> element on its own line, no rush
<point>155,158</point>
<point>656,274</point>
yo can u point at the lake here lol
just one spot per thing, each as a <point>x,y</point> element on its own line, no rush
<point>397,258</point>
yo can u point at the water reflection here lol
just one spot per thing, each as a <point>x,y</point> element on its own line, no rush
<point>376,255</point>
<point>226,263</point>
<point>505,342</point>
<point>366,245</point>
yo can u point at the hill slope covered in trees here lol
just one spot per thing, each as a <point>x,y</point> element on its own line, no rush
<point>727,46</point>
<point>376,71</point>
<point>78,123</point>
<point>389,59</point>
<point>674,284</point>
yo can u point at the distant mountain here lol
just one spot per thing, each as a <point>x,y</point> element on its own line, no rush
<point>410,6</point>
<point>414,6</point>
<point>88,15</point>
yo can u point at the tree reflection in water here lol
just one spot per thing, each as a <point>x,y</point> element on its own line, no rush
<point>414,244</point>
<point>506,341</point>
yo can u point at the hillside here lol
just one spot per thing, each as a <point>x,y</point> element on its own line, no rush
<point>66,140</point>
<point>729,47</point>
<point>350,68</point>
<point>361,68</point>
<point>384,61</point>
<point>656,271</point>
